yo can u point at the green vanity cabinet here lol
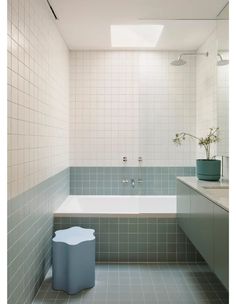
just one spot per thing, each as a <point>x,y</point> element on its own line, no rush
<point>183,206</point>
<point>221,244</point>
<point>201,218</point>
<point>207,226</point>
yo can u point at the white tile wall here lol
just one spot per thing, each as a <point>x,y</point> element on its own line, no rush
<point>206,105</point>
<point>212,100</point>
<point>223,106</point>
<point>132,104</point>
<point>38,96</point>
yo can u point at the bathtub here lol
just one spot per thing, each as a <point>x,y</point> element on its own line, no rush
<point>133,229</point>
<point>112,205</point>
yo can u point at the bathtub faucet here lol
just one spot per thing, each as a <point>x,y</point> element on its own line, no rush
<point>132,181</point>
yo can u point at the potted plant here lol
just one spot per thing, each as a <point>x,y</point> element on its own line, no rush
<point>209,168</point>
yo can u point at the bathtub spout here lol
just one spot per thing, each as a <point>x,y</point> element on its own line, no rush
<point>132,182</point>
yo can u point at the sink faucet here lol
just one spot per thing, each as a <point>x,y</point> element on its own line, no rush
<point>132,181</point>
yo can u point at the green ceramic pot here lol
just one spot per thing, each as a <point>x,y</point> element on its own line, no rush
<point>208,169</point>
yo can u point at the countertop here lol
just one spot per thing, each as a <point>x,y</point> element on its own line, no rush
<point>217,191</point>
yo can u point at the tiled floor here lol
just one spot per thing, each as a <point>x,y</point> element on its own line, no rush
<point>143,284</point>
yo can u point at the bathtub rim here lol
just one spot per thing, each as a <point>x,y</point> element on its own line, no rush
<point>115,215</point>
<point>57,214</point>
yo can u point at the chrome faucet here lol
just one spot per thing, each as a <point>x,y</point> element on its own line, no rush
<point>132,181</point>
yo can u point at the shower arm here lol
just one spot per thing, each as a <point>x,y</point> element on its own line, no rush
<point>221,58</point>
<point>192,54</point>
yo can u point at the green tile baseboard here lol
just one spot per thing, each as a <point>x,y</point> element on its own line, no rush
<point>108,180</point>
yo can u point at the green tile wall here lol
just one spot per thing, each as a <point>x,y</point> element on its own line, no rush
<point>30,228</point>
<point>108,180</point>
<point>136,239</point>
<point>30,224</point>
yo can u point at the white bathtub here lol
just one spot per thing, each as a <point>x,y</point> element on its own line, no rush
<point>111,205</point>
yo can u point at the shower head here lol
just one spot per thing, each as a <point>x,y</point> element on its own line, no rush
<point>222,61</point>
<point>180,61</point>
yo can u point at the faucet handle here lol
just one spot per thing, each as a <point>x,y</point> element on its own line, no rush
<point>125,181</point>
<point>132,181</point>
<point>140,181</point>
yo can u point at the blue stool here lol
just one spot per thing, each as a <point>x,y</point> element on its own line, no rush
<point>73,266</point>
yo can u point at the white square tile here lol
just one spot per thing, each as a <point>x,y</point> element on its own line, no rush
<point>38,96</point>
<point>140,91</point>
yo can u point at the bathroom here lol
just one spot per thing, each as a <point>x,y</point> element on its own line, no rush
<point>118,121</point>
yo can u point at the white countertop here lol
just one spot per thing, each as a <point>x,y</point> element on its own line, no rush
<point>217,192</point>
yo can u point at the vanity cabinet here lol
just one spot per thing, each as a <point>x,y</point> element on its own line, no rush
<point>206,225</point>
<point>221,244</point>
<point>183,206</point>
<point>201,218</point>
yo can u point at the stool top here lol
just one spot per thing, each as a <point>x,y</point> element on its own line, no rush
<point>74,235</point>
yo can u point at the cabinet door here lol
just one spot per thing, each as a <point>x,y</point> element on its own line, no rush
<point>183,206</point>
<point>221,244</point>
<point>201,219</point>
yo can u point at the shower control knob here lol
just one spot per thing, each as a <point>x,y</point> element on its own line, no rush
<point>125,159</point>
<point>140,159</point>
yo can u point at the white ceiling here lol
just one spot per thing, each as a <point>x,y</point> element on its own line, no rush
<point>85,24</point>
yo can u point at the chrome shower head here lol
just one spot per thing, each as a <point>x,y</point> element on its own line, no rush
<point>222,61</point>
<point>178,62</point>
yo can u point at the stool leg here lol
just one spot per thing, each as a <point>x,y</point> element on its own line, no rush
<point>81,267</point>
<point>59,266</point>
<point>73,266</point>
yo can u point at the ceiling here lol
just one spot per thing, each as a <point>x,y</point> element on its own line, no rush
<point>85,24</point>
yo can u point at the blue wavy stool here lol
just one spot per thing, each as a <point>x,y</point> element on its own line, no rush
<point>73,267</point>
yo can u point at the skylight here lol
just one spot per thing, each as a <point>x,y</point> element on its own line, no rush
<point>145,35</point>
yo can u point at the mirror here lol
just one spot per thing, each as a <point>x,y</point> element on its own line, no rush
<point>222,81</point>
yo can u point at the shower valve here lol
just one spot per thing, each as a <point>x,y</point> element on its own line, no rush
<point>125,181</point>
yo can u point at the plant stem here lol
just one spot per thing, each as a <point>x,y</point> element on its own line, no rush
<point>206,146</point>
<point>190,135</point>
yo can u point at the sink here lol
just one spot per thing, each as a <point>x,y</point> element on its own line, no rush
<point>216,187</point>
